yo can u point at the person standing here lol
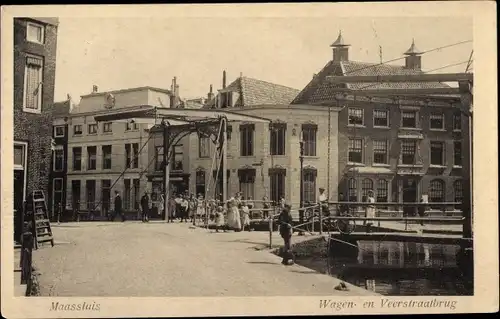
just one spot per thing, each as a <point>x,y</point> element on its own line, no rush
<point>184,208</point>
<point>245,216</point>
<point>285,228</point>
<point>422,208</point>
<point>233,216</point>
<point>266,206</point>
<point>370,209</point>
<point>219,219</point>
<point>323,201</point>
<point>118,206</point>
<point>145,202</point>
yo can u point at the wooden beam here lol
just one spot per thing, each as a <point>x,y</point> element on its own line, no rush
<point>443,77</point>
<point>399,92</point>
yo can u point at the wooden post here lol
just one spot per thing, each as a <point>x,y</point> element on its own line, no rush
<point>224,160</point>
<point>271,218</point>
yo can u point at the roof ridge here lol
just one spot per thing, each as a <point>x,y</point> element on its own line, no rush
<point>275,84</point>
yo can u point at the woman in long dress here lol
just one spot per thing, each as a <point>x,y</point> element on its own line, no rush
<point>233,216</point>
<point>370,209</point>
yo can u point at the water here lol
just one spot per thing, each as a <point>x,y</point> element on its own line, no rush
<point>395,268</point>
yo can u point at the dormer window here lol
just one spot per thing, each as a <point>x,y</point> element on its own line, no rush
<point>226,99</point>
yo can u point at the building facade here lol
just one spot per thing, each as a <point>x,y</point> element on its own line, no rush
<point>59,168</point>
<point>113,156</point>
<point>35,46</point>
<point>264,159</point>
<point>402,149</point>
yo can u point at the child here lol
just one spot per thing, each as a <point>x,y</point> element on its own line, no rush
<point>219,218</point>
<point>245,217</point>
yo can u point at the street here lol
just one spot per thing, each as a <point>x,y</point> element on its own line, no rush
<point>177,260</point>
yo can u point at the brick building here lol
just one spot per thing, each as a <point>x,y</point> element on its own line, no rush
<point>264,159</point>
<point>400,148</point>
<point>35,44</point>
<point>108,157</point>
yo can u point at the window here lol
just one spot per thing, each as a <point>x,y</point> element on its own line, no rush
<point>380,118</point>
<point>136,187</point>
<point>126,194</point>
<point>57,201</point>
<point>457,152</point>
<point>200,182</point>
<point>106,157</point>
<point>131,126</point>
<point>353,190</point>
<point>77,158</point>
<point>58,160</point>
<point>229,132</point>
<point>457,121</point>
<point>105,194</point>
<point>309,132</point>
<point>204,146</point>
<point>135,153</point>
<point>382,190</point>
<point>310,185</point>
<point>35,32</point>
<point>277,139</point>
<point>437,121</point>
<point>90,194</point>
<point>458,191</point>
<point>19,156</point>
<point>437,153</point>
<point>246,145</point>
<point>33,77</point>
<point>380,152</point>
<point>159,158</point>
<point>366,185</point>
<point>59,131</point>
<point>157,190</point>
<point>247,183</point>
<point>356,116</point>
<point>436,191</point>
<point>77,130</point>
<point>277,184</point>
<point>92,157</point>
<point>409,119</point>
<point>226,99</point>
<point>107,127</point>
<point>355,150</point>
<point>92,128</point>
<point>177,161</point>
<point>408,150</point>
<point>75,193</point>
<point>132,155</point>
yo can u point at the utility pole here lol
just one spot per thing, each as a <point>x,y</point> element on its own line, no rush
<point>166,173</point>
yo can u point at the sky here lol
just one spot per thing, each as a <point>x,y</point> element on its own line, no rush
<point>119,53</point>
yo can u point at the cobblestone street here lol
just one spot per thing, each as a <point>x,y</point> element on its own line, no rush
<point>159,259</point>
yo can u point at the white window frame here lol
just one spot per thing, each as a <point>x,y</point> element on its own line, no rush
<point>24,166</point>
<point>417,122</point>
<point>25,85</point>
<point>442,121</point>
<point>57,148</point>
<point>54,192</point>
<point>81,130</point>
<point>36,25</point>
<point>106,125</point>
<point>386,152</point>
<point>96,128</point>
<point>55,131</point>
<point>386,116</point>
<point>443,154</point>
<point>362,116</point>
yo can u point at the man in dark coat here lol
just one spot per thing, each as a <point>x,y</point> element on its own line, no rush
<point>285,223</point>
<point>145,207</point>
<point>118,206</point>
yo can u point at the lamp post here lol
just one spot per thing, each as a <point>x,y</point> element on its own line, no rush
<point>301,205</point>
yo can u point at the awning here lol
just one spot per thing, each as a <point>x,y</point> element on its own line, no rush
<point>175,116</point>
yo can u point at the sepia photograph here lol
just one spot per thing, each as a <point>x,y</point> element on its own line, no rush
<point>217,155</point>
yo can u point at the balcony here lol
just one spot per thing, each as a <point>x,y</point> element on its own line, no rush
<point>410,169</point>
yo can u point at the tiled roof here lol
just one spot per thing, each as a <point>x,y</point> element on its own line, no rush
<point>258,92</point>
<point>320,90</point>
<point>61,108</point>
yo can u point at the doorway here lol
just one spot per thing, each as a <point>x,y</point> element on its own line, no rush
<point>409,196</point>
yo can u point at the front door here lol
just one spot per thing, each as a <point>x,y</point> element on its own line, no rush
<point>18,202</point>
<point>409,196</point>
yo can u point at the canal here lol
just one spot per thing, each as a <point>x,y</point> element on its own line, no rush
<point>395,268</point>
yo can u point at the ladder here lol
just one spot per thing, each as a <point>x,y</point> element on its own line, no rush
<point>42,232</point>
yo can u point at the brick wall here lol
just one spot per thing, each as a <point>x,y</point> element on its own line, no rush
<point>35,129</point>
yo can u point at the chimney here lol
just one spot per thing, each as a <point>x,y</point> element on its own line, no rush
<point>224,79</point>
<point>241,74</point>
<point>210,94</point>
<point>340,49</point>
<point>413,60</point>
<point>95,89</point>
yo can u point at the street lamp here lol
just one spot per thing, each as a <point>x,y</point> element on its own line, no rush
<point>301,158</point>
